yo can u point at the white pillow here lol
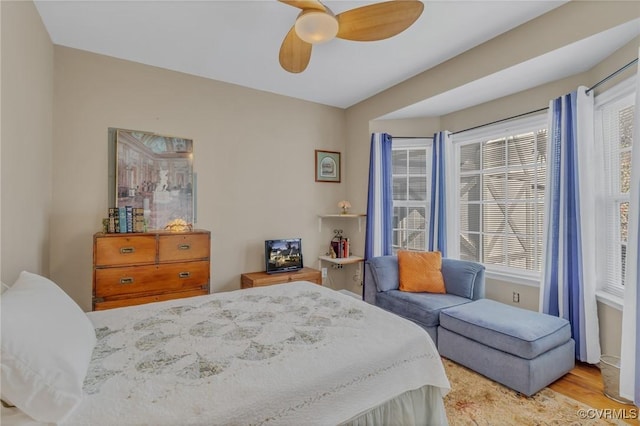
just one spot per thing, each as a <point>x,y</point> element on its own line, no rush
<point>47,342</point>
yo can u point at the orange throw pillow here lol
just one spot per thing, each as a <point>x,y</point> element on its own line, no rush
<point>420,271</point>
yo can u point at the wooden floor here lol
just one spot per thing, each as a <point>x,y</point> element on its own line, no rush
<point>584,384</point>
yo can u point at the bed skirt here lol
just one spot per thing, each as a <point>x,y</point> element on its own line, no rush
<point>407,409</point>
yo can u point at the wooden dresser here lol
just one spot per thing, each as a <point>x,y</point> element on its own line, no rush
<point>259,279</point>
<point>132,269</point>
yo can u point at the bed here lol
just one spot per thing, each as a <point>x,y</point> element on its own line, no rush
<point>294,353</point>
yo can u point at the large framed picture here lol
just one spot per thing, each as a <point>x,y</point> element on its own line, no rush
<point>327,166</point>
<point>155,173</point>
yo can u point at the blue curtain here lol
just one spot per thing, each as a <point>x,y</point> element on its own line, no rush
<point>438,212</point>
<point>380,198</point>
<point>568,285</point>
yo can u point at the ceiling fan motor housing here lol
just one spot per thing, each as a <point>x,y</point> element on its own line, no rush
<point>315,27</point>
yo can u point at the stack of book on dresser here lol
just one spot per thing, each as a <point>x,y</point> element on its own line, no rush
<point>125,219</point>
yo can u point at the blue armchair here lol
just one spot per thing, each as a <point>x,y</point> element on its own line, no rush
<point>463,280</point>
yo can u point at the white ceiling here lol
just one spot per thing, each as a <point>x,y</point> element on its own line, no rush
<point>238,42</point>
<point>572,59</point>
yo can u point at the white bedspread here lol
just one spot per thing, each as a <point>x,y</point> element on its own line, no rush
<point>293,353</point>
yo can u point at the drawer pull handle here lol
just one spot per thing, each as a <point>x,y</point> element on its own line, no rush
<point>184,274</point>
<point>184,246</point>
<point>126,280</point>
<point>127,250</point>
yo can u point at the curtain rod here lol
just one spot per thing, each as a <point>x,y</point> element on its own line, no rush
<point>613,74</point>
<point>610,76</point>
<point>411,137</point>
<point>501,120</point>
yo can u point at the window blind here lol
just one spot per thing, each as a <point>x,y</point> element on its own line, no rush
<point>411,173</point>
<point>617,135</point>
<point>501,197</point>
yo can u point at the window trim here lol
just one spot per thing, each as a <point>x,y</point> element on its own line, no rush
<point>610,299</point>
<point>513,275</point>
<point>415,143</point>
<point>411,143</point>
<point>497,272</point>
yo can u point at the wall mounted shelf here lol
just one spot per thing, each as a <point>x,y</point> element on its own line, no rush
<point>343,260</point>
<point>342,216</point>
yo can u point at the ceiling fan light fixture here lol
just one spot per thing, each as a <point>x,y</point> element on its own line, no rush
<point>316,27</point>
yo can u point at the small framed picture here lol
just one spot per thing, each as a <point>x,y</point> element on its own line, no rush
<point>327,166</point>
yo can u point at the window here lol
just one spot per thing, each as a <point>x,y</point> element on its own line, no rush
<point>411,171</point>
<point>501,182</point>
<point>615,128</point>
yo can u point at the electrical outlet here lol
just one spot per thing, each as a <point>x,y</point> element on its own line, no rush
<point>516,297</point>
<point>324,272</point>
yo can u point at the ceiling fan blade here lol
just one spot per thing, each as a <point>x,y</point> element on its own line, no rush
<point>305,4</point>
<point>294,52</point>
<point>378,21</point>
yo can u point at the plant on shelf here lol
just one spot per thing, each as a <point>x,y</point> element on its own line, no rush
<point>344,206</point>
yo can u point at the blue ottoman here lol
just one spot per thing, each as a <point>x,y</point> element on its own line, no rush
<point>521,349</point>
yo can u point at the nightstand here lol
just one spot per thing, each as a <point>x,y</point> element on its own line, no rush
<point>259,279</point>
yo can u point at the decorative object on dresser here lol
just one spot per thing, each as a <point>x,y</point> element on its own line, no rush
<point>153,173</point>
<point>132,269</point>
<point>125,219</point>
<point>260,279</point>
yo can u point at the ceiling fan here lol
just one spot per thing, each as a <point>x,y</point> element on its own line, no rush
<point>317,24</point>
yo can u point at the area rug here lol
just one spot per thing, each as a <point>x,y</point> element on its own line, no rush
<point>476,400</point>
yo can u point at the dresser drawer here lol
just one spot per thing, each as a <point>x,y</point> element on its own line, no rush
<point>177,247</point>
<point>150,279</point>
<point>131,301</point>
<point>125,250</point>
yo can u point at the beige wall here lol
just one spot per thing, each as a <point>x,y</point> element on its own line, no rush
<point>610,321</point>
<point>516,46</point>
<point>411,127</point>
<point>503,291</point>
<point>27,120</point>
<point>253,155</point>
